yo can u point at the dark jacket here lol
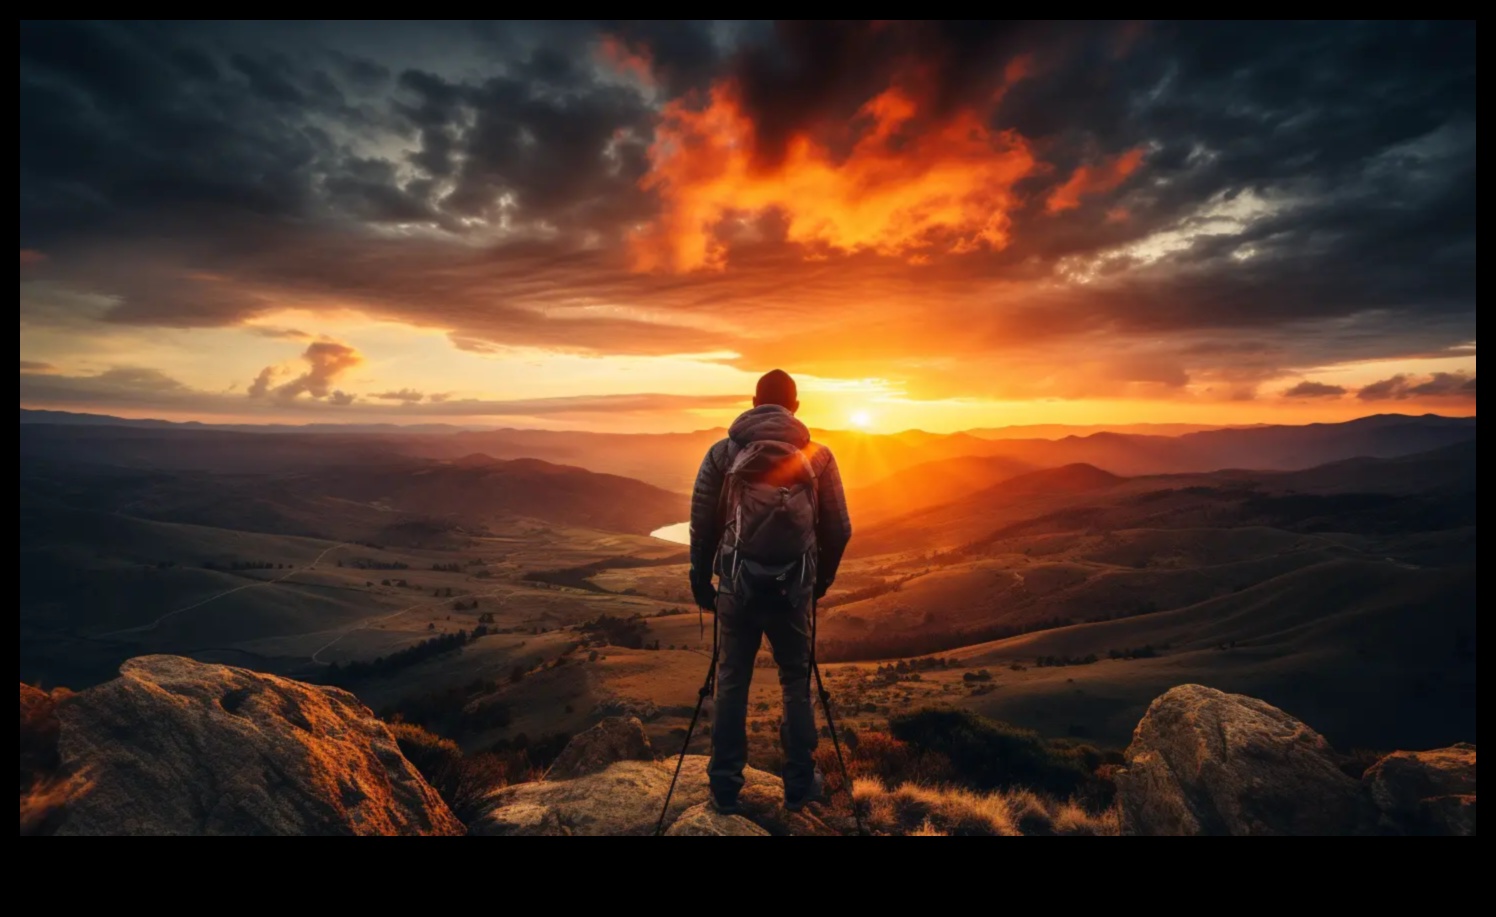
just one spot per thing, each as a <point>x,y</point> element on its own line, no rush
<point>769,421</point>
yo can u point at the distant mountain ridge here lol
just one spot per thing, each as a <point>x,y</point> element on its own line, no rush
<point>31,415</point>
<point>1084,496</point>
<point>670,460</point>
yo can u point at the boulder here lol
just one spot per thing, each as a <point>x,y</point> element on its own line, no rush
<point>617,738</point>
<point>1204,762</point>
<point>702,821</point>
<point>1425,792</point>
<point>175,746</point>
<point>626,797</point>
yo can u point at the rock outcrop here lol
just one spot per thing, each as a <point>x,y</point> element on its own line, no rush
<point>174,746</point>
<point>701,821</point>
<point>1425,792</point>
<point>625,797</point>
<point>616,738</point>
<point>1204,762</point>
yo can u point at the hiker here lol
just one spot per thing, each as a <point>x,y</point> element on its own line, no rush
<point>769,519</point>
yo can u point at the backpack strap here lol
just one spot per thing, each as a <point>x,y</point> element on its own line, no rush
<point>815,498</point>
<point>724,502</point>
<point>728,454</point>
<point>815,480</point>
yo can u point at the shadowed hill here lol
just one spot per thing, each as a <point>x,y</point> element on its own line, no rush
<point>472,489</point>
<point>930,484</point>
<point>395,499</point>
<point>1451,468</point>
<point>1422,492</point>
<point>1067,479</point>
<point>182,447</point>
<point>1351,580</point>
<point>981,507</point>
<point>1378,653</point>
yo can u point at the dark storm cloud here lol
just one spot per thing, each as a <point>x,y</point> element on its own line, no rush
<point>812,74</point>
<point>683,55</point>
<point>481,178</point>
<point>130,123</point>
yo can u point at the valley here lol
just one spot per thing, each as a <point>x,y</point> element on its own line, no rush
<point>509,599</point>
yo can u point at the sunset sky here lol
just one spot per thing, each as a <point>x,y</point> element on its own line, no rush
<point>620,225</point>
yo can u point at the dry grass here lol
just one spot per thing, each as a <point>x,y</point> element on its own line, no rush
<point>911,809</point>
<point>44,790</point>
<point>42,804</point>
<point>980,779</point>
<point>464,781</point>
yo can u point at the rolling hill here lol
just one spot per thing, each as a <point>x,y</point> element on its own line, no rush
<point>383,499</point>
<point>930,484</point>
<point>1011,559</point>
<point>477,489</point>
<point>1377,653</point>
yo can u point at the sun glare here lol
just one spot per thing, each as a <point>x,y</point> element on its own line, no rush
<point>861,419</point>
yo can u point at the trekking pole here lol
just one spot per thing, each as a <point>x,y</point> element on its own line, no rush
<point>815,669</point>
<point>706,690</point>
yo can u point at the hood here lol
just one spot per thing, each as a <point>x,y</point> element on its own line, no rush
<point>768,421</point>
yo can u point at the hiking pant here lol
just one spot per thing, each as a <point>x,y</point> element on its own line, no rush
<point>741,627</point>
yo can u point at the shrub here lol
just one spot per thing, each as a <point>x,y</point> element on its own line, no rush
<point>400,659</point>
<point>458,710</point>
<point>625,632</point>
<point>464,781</point>
<point>879,756</point>
<point>989,755</point>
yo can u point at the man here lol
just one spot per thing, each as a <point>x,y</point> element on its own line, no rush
<point>769,518</point>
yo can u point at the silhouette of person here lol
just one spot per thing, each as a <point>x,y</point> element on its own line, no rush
<point>745,619</point>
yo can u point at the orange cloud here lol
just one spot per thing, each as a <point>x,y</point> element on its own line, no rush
<point>326,361</point>
<point>626,61</point>
<point>903,187</point>
<point>31,256</point>
<point>1087,180</point>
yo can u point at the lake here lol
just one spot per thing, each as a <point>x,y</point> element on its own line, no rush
<point>679,532</point>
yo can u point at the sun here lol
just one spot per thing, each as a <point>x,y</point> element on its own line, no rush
<point>861,419</point>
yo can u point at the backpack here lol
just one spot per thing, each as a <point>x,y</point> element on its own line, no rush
<point>769,511</point>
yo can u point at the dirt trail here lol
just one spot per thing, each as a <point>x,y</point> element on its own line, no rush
<point>369,622</point>
<point>142,628</point>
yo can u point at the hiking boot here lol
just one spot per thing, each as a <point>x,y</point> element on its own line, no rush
<point>725,806</point>
<point>816,793</point>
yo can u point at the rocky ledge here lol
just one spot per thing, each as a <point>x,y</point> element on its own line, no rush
<point>1204,762</point>
<point>174,746</point>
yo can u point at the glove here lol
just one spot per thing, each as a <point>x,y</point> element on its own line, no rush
<point>702,590</point>
<point>821,590</point>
